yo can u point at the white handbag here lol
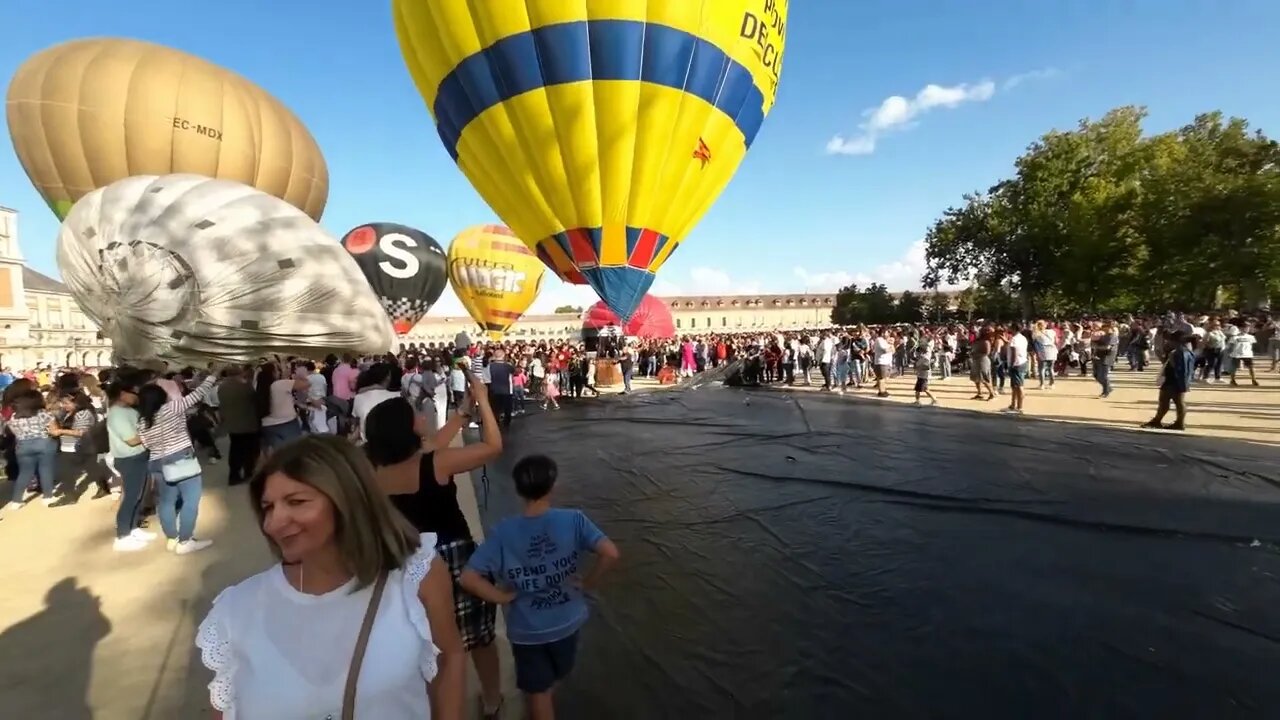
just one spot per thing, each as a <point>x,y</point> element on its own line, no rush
<point>179,470</point>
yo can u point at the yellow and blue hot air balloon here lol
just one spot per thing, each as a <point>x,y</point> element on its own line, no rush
<point>494,275</point>
<point>600,131</point>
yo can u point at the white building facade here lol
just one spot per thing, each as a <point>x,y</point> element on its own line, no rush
<point>40,323</point>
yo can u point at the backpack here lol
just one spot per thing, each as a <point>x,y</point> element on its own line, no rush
<point>95,440</point>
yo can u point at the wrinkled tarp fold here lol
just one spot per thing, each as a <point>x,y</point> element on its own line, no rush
<point>799,556</point>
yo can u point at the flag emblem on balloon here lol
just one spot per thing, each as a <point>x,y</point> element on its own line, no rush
<point>703,153</point>
<point>495,276</point>
<point>588,127</point>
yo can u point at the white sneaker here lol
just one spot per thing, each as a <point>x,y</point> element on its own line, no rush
<point>171,544</point>
<point>143,535</point>
<point>128,543</point>
<point>13,507</point>
<point>189,546</point>
<point>49,500</point>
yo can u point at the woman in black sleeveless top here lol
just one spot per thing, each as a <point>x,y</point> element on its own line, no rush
<point>417,475</point>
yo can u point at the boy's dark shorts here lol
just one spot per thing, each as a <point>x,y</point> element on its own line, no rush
<point>922,384</point>
<point>540,667</point>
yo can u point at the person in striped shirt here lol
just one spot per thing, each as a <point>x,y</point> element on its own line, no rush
<point>162,426</point>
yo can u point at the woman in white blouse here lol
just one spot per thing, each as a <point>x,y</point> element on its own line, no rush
<point>356,621</point>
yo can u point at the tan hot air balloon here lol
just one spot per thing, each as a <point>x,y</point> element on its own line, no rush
<point>87,113</point>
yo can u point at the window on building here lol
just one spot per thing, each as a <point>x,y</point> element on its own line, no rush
<point>77,319</point>
<point>677,322</point>
<point>724,321</point>
<point>33,315</point>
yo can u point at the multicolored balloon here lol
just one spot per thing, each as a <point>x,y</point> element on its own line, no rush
<point>87,113</point>
<point>405,267</point>
<point>652,320</point>
<point>600,131</point>
<point>495,276</point>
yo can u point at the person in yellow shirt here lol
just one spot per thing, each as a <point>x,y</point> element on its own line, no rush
<point>44,378</point>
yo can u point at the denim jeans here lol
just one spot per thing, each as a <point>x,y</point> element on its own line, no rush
<point>1102,373</point>
<point>626,379</point>
<point>1044,372</point>
<point>35,457</point>
<point>178,506</point>
<point>273,436</point>
<point>133,480</point>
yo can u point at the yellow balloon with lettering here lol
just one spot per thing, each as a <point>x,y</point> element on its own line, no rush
<point>87,113</point>
<point>495,276</point>
<point>601,131</point>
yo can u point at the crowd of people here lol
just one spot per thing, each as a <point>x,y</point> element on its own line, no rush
<point>350,465</point>
<point>311,440</point>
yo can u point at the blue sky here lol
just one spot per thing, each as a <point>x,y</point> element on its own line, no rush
<point>798,216</point>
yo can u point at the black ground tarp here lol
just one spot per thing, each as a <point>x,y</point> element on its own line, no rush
<point>801,556</point>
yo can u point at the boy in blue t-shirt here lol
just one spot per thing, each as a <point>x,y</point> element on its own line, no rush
<point>534,558</point>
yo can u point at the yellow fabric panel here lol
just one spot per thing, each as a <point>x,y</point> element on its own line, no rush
<point>496,285</point>
<point>616,122</point>
<point>89,112</point>
<point>604,154</point>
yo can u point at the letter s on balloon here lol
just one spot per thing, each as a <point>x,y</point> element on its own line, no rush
<point>397,246</point>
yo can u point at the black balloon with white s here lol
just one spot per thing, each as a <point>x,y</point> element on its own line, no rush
<point>406,268</point>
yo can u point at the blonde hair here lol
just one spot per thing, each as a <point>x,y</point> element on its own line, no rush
<point>371,535</point>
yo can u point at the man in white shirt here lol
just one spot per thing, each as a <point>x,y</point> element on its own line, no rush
<point>1240,348</point>
<point>826,356</point>
<point>1018,360</point>
<point>882,348</point>
<point>805,359</point>
<point>317,413</point>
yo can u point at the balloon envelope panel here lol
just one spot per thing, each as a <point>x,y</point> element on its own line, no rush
<point>600,131</point>
<point>87,113</point>
<point>495,276</point>
<point>405,267</point>
<point>183,266</point>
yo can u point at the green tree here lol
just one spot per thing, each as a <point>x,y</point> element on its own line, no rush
<point>878,303</point>
<point>569,309</point>
<point>910,307</point>
<point>1210,213</point>
<point>1102,219</point>
<point>937,306</point>
<point>967,302</point>
<point>848,309</point>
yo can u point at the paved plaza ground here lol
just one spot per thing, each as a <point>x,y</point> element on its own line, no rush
<point>88,633</point>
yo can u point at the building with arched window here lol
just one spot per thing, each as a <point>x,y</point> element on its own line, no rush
<point>733,313</point>
<point>40,323</point>
<point>692,313</point>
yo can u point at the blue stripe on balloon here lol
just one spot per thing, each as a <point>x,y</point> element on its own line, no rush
<point>596,50</point>
<point>621,288</point>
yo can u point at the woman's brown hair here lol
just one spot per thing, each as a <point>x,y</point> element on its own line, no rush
<point>371,535</point>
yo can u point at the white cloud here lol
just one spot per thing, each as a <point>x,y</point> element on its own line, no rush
<point>1041,74</point>
<point>710,281</point>
<point>901,274</point>
<point>820,281</point>
<point>554,294</point>
<point>897,113</point>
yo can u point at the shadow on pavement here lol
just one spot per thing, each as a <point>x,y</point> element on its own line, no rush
<point>53,684</point>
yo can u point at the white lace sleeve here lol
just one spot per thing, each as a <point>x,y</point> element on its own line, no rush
<point>415,571</point>
<point>214,641</point>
